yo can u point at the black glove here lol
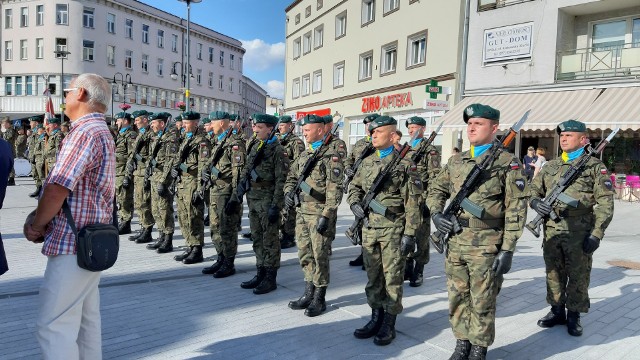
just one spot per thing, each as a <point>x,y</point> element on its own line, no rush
<point>162,190</point>
<point>131,167</point>
<point>289,200</point>
<point>407,245</point>
<point>542,208</point>
<point>231,206</point>
<point>357,210</point>
<point>442,224</point>
<point>323,225</point>
<point>196,198</point>
<point>590,244</point>
<point>206,176</point>
<point>174,172</point>
<point>273,214</point>
<point>350,173</point>
<point>126,182</point>
<point>502,262</point>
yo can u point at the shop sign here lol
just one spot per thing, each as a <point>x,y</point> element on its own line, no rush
<point>436,105</point>
<point>508,43</point>
<point>319,112</point>
<point>377,103</point>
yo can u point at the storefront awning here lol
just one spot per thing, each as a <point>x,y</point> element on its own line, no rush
<point>548,109</point>
<point>616,107</point>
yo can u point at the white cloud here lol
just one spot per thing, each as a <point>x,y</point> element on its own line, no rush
<point>274,88</point>
<point>261,56</point>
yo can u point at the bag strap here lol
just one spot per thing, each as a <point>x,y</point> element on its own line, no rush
<point>72,223</point>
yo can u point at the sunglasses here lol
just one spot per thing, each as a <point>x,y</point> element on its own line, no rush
<point>67,91</point>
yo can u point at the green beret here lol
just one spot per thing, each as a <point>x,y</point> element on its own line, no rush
<point>571,126</point>
<point>369,118</point>
<point>159,116</point>
<point>178,118</point>
<point>139,113</point>
<point>39,126</point>
<point>234,117</point>
<point>190,115</point>
<point>382,121</point>
<point>480,111</point>
<point>312,119</point>
<point>219,115</point>
<point>205,120</point>
<point>37,118</point>
<point>328,119</point>
<point>265,118</point>
<point>285,119</point>
<point>416,120</point>
<point>55,120</point>
<point>123,115</point>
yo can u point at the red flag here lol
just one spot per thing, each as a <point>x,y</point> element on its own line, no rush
<point>48,109</point>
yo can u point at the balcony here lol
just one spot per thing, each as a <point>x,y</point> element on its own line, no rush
<point>589,63</point>
<point>484,5</point>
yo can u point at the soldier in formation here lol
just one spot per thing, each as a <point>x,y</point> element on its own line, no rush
<point>340,148</point>
<point>53,144</point>
<point>125,143</point>
<point>293,147</point>
<point>21,142</point>
<point>32,143</point>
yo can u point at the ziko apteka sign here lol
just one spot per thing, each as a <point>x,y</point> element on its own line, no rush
<point>508,43</point>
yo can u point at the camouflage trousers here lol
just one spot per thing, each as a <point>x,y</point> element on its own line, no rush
<point>124,197</point>
<point>40,171</point>
<point>162,209</point>
<point>142,202</point>
<point>191,217</point>
<point>224,228</point>
<point>421,255</point>
<point>289,225</point>
<point>568,269</point>
<point>331,231</point>
<point>264,235</point>
<point>472,289</point>
<point>36,177</point>
<point>313,250</point>
<point>385,268</point>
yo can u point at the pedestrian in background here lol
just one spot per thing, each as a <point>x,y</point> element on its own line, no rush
<point>529,162</point>
<point>6,164</point>
<point>540,162</point>
<point>68,321</point>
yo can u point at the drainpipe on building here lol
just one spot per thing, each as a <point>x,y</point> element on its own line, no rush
<point>463,55</point>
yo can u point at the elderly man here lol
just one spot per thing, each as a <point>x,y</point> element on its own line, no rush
<point>68,325</point>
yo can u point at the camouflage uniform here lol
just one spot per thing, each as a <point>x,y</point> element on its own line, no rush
<point>166,148</point>
<point>293,147</point>
<point>38,154</point>
<point>52,148</point>
<point>471,282</point>
<point>124,150</point>
<point>10,136</point>
<point>21,145</point>
<point>337,146</point>
<point>356,150</point>
<point>32,143</point>
<point>142,196</point>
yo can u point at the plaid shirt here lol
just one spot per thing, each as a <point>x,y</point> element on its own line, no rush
<point>86,166</point>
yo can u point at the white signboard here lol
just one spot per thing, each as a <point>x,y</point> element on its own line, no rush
<point>435,105</point>
<point>508,43</point>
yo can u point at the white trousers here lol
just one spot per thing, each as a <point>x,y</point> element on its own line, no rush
<point>68,324</point>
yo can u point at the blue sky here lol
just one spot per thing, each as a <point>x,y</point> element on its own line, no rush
<point>259,24</point>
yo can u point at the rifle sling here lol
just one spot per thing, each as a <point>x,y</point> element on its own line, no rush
<point>475,223</point>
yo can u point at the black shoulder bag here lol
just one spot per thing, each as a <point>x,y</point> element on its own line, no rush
<point>97,244</point>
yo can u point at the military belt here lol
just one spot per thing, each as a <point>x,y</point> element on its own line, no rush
<point>475,223</point>
<point>574,212</point>
<point>262,184</point>
<point>394,212</point>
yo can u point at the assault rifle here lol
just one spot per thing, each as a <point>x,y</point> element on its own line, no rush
<point>460,201</point>
<point>356,165</point>
<point>301,184</point>
<point>369,203</point>
<point>422,149</point>
<point>180,167</point>
<point>140,141</point>
<point>151,164</point>
<point>557,193</point>
<point>212,170</point>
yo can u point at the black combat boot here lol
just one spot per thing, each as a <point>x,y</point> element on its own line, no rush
<point>372,327</point>
<point>156,244</point>
<point>136,235</point>
<point>145,237</point>
<point>477,352</point>
<point>11,182</point>
<point>167,244</point>
<point>227,268</point>
<point>268,284</point>
<point>357,261</point>
<point>573,323</point>
<point>556,316</point>
<point>387,331</point>
<point>247,235</point>
<point>304,300</point>
<point>408,269</point>
<point>195,256</point>
<point>318,305</point>
<point>124,228</point>
<point>184,255</point>
<point>461,352</point>
<point>36,193</point>
<point>417,277</point>
<point>210,270</point>
<point>251,284</point>
<point>287,241</point>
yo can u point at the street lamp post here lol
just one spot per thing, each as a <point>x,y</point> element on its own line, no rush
<point>185,81</point>
<point>188,87</point>
<point>125,80</point>
<point>61,54</point>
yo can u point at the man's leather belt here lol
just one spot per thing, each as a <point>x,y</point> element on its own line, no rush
<point>475,223</point>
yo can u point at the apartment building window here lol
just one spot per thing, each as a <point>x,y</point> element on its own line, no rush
<point>232,60</point>
<point>306,43</point>
<point>161,38</point>
<point>319,4</point>
<point>296,88</point>
<point>199,51</point>
<point>368,11</point>
<point>145,63</point>
<point>128,59</point>
<point>62,14</point>
<point>306,85</point>
<point>297,19</point>
<point>210,79</point>
<point>211,55</point>
<point>39,48</point>
<point>28,85</point>
<point>23,49</point>
<point>163,99</point>
<point>366,66</point>
<point>87,17</point>
<point>18,85</point>
<point>230,84</point>
<point>145,33</point>
<point>296,48</point>
<point>39,15</point>
<point>338,75</point>
<point>8,86</point>
<point>61,45</point>
<point>389,58</point>
<point>24,17</point>
<point>144,96</point>
<point>111,23</point>
<point>307,12</point>
<point>174,43</point>
<point>417,49</point>
<point>220,82</point>
<point>390,6</point>
<point>199,76</point>
<point>317,81</point>
<point>8,18</point>
<point>128,29</point>
<point>87,50</point>
<point>318,37</point>
<point>8,50</point>
<point>160,69</point>
<point>111,55</point>
<point>133,94</point>
<point>221,58</point>
<point>154,97</point>
<point>240,64</point>
<point>341,24</point>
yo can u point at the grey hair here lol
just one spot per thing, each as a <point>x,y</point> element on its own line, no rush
<point>98,90</point>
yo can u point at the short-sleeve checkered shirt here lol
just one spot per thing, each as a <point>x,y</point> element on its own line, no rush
<point>86,166</point>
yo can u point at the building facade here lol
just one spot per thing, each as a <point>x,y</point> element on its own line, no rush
<point>121,40</point>
<point>254,97</point>
<point>275,106</point>
<point>351,58</point>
